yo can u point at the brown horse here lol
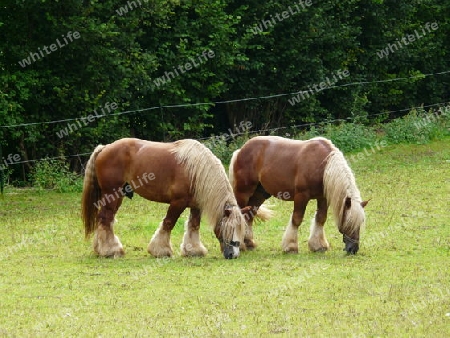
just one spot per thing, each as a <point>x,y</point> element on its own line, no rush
<point>299,171</point>
<point>184,174</point>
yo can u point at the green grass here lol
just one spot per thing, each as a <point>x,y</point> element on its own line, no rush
<point>397,285</point>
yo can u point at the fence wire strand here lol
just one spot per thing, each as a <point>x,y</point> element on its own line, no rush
<point>260,131</point>
<point>186,105</point>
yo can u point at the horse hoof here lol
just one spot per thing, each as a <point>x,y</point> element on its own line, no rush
<point>314,246</point>
<point>162,255</point>
<point>190,251</point>
<point>250,245</point>
<point>119,254</point>
<point>291,251</point>
<point>110,253</point>
<point>160,252</point>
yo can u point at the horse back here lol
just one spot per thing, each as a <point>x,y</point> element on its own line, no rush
<point>283,165</point>
<point>149,167</point>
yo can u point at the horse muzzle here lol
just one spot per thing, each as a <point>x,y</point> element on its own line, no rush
<point>231,249</point>
<point>351,245</point>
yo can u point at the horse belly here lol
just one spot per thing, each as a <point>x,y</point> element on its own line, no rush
<point>281,175</point>
<point>165,181</point>
<point>280,187</point>
<point>153,193</point>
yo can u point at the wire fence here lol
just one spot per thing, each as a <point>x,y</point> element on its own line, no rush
<point>189,105</point>
<point>247,132</point>
<point>252,132</point>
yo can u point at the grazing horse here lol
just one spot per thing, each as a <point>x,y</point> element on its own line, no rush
<point>184,174</point>
<point>299,171</point>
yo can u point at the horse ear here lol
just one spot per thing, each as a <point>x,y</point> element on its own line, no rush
<point>246,210</point>
<point>364,203</point>
<point>348,202</point>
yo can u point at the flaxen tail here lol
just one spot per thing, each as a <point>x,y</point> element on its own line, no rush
<point>264,213</point>
<point>91,194</point>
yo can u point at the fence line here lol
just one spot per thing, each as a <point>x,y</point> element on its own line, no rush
<point>228,101</point>
<point>260,131</point>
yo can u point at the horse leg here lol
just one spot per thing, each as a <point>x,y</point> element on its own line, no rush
<point>160,245</point>
<point>249,242</point>
<point>317,240</point>
<point>105,243</point>
<point>242,199</point>
<point>255,201</point>
<point>289,242</point>
<point>191,245</point>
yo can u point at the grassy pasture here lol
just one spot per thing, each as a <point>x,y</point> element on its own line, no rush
<point>397,285</point>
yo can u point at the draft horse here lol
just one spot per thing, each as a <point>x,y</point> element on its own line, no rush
<point>184,174</point>
<point>299,171</point>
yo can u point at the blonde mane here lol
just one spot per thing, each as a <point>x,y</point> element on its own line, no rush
<point>339,184</point>
<point>210,185</point>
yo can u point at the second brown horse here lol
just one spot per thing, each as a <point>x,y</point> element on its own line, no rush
<point>299,171</point>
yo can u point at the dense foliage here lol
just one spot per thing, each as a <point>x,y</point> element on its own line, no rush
<point>85,63</point>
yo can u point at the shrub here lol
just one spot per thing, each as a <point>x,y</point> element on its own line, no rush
<point>417,127</point>
<point>348,137</point>
<point>224,148</point>
<point>351,137</point>
<point>55,174</point>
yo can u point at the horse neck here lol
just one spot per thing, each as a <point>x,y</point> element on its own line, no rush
<point>339,183</point>
<point>213,192</point>
<point>210,184</point>
<point>213,205</point>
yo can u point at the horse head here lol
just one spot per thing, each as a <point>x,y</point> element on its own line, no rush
<point>353,219</point>
<point>232,230</point>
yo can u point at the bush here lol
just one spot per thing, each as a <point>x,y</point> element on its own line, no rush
<point>55,174</point>
<point>351,137</point>
<point>224,148</point>
<point>348,137</point>
<point>418,127</point>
